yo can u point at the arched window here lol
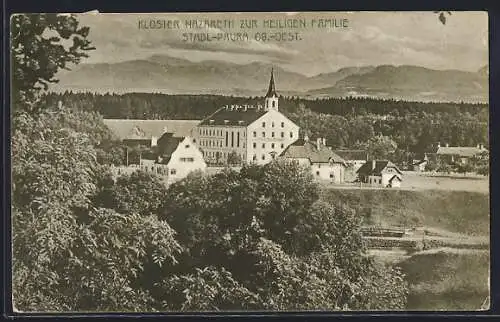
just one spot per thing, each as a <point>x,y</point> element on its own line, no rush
<point>274,103</point>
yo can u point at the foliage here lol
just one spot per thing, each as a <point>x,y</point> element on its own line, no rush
<point>41,44</point>
<point>380,147</point>
<point>207,289</point>
<point>266,226</point>
<point>139,192</point>
<point>97,268</point>
<point>233,158</point>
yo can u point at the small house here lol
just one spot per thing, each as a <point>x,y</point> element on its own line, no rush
<point>181,156</point>
<point>381,173</point>
<point>324,163</point>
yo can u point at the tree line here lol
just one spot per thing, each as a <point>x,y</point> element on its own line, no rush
<point>346,123</point>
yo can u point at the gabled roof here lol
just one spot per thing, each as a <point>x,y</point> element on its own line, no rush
<point>352,154</point>
<point>395,177</point>
<point>145,129</point>
<point>234,117</point>
<point>167,144</point>
<point>366,169</point>
<point>459,150</point>
<point>418,162</point>
<point>301,149</point>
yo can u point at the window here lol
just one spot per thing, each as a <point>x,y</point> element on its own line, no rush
<point>263,145</point>
<point>263,134</point>
<point>189,159</point>
<point>379,180</point>
<point>282,146</point>
<point>263,124</point>
<point>282,124</point>
<point>227,138</point>
<point>238,140</point>
<point>272,145</point>
<point>317,173</point>
<point>291,134</point>
<point>254,145</point>
<point>282,134</point>
<point>232,139</point>
<point>274,103</point>
<point>255,157</point>
<point>173,172</point>
<point>263,157</point>
<point>272,134</point>
<point>272,124</point>
<point>331,175</point>
<point>254,134</point>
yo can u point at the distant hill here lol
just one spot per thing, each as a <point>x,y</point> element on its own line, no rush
<point>165,74</point>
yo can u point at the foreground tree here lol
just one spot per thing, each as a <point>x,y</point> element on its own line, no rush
<point>284,248</point>
<point>68,255</point>
<point>42,44</point>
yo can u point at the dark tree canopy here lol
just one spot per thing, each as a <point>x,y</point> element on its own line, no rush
<point>41,45</point>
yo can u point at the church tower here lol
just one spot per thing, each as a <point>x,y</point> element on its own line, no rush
<point>271,96</point>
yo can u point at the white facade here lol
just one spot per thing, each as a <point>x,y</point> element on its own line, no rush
<point>268,136</point>
<point>255,134</point>
<point>185,159</point>
<point>384,179</point>
<point>332,172</point>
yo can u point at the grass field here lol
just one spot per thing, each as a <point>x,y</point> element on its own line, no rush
<point>417,181</point>
<point>455,211</point>
<point>447,281</point>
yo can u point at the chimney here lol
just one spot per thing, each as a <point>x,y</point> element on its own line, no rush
<point>447,145</point>
<point>439,144</point>
<point>59,104</point>
<point>324,141</point>
<point>373,164</point>
<point>318,143</point>
<point>478,146</point>
<point>306,138</point>
<point>481,147</point>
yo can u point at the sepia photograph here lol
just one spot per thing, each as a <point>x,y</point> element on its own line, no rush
<point>250,162</point>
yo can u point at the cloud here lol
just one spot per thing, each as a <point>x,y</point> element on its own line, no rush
<point>373,38</point>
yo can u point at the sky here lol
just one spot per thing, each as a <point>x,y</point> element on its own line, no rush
<point>370,38</point>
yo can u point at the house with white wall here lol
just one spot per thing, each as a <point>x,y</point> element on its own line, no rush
<point>256,134</point>
<point>382,173</point>
<point>325,164</point>
<point>180,155</point>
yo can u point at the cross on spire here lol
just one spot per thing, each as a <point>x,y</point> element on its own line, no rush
<point>272,90</point>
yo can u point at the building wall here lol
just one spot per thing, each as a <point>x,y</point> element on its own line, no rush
<point>185,159</point>
<point>383,180</point>
<point>273,132</point>
<point>217,142</point>
<point>331,172</point>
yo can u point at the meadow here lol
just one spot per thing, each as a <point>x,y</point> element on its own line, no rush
<point>447,281</point>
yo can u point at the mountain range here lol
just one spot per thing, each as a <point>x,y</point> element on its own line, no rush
<point>166,74</point>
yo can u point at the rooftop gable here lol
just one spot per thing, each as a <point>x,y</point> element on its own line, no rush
<point>380,165</point>
<point>301,149</point>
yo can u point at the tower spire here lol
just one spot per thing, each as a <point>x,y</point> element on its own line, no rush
<point>272,90</point>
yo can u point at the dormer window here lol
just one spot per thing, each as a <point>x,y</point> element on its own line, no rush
<point>226,121</point>
<point>212,121</point>
<point>241,122</point>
